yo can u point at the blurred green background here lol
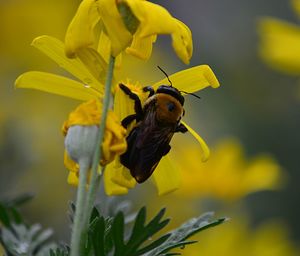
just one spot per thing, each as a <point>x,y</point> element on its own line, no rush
<point>255,105</point>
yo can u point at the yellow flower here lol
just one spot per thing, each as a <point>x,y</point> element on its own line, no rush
<point>125,25</point>
<point>167,175</point>
<point>88,67</point>
<point>228,175</point>
<point>88,115</point>
<point>280,43</point>
<point>237,238</point>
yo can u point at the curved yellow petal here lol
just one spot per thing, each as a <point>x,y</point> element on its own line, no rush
<point>80,33</point>
<point>141,47</point>
<point>56,84</point>
<point>116,30</point>
<point>154,19</point>
<point>166,176</point>
<point>203,145</point>
<point>182,42</point>
<point>54,49</point>
<point>112,188</point>
<point>279,45</point>
<point>192,79</point>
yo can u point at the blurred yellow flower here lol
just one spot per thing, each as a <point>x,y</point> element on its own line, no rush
<point>125,25</point>
<point>228,175</point>
<point>88,114</point>
<point>167,175</point>
<point>237,238</point>
<point>280,43</point>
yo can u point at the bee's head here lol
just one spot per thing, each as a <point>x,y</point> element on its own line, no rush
<point>172,91</point>
<point>169,104</point>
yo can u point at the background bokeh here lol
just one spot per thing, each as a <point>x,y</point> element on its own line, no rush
<point>255,105</point>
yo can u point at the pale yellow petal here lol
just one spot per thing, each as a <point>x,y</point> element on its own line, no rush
<point>203,145</point>
<point>112,188</point>
<point>54,49</point>
<point>141,47</point>
<point>192,79</point>
<point>280,45</point>
<point>80,33</point>
<point>166,176</point>
<point>56,84</point>
<point>116,30</point>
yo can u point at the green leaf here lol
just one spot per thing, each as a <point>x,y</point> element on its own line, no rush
<point>4,216</point>
<point>179,236</point>
<point>19,200</point>
<point>118,234</point>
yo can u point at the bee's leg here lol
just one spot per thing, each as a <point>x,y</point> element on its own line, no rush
<point>137,102</point>
<point>149,89</point>
<point>166,150</point>
<point>128,120</point>
<point>181,128</point>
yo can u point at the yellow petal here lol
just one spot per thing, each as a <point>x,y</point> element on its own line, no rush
<point>141,47</point>
<point>56,84</point>
<point>104,46</point>
<point>279,45</point>
<point>262,173</point>
<point>118,34</point>
<point>192,79</point>
<point>121,175</point>
<point>182,42</point>
<point>94,63</point>
<point>73,179</point>
<point>112,188</point>
<point>203,145</point>
<point>54,49</point>
<point>80,33</point>
<point>154,19</point>
<point>166,176</point>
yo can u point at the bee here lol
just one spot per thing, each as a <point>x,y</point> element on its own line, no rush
<point>157,120</point>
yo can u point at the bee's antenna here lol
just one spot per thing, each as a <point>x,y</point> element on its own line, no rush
<point>165,75</point>
<point>198,97</point>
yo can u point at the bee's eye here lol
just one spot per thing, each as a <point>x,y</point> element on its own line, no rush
<point>170,106</point>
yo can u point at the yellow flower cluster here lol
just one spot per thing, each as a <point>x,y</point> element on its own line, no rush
<point>88,114</point>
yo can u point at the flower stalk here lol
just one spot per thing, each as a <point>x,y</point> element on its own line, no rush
<point>80,206</point>
<point>95,176</point>
<point>85,199</point>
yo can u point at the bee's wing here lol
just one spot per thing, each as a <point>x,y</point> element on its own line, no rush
<point>147,144</point>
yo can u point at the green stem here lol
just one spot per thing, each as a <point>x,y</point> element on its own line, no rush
<point>80,206</point>
<point>95,177</point>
